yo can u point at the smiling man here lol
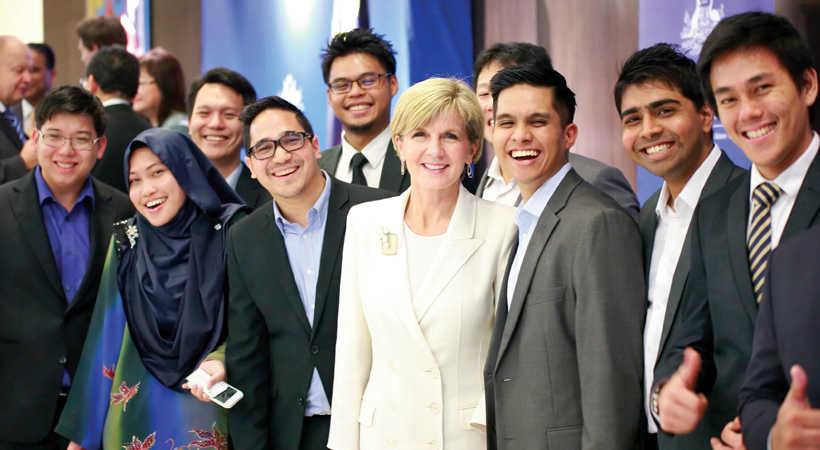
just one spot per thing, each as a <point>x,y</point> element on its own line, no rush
<point>56,223</point>
<point>667,129</point>
<point>284,268</point>
<point>215,101</point>
<point>759,77</point>
<point>564,363</point>
<point>16,154</point>
<point>359,68</point>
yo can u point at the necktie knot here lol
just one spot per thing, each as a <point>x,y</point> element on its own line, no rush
<point>765,194</point>
<point>356,163</point>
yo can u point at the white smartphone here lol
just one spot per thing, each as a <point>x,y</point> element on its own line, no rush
<point>221,393</point>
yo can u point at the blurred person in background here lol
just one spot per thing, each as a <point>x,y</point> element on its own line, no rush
<point>160,97</point>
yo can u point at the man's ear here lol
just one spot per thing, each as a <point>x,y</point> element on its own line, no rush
<point>91,84</point>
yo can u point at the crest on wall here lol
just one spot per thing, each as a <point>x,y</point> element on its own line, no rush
<point>292,92</point>
<point>698,26</point>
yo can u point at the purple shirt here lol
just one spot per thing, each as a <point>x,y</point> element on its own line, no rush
<point>68,233</point>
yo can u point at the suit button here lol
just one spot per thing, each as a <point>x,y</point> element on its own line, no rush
<point>391,404</point>
<point>301,401</point>
<point>433,372</point>
<point>435,408</point>
<point>62,360</point>
<point>314,349</point>
<point>392,442</point>
<point>434,444</point>
<point>392,366</point>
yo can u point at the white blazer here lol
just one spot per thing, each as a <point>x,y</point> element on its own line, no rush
<point>409,372</point>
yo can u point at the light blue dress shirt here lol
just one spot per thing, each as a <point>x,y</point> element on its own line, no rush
<point>304,246</point>
<point>526,217</point>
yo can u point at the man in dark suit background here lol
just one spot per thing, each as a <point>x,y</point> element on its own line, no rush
<point>284,269</point>
<point>215,101</point>
<point>667,130</point>
<point>56,224</point>
<point>15,77</point>
<point>359,68</point>
<point>781,393</point>
<point>496,183</point>
<point>758,75</point>
<point>42,78</point>
<point>564,363</point>
<point>113,76</point>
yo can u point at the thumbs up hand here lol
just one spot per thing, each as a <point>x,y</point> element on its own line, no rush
<point>680,407</point>
<point>797,425</point>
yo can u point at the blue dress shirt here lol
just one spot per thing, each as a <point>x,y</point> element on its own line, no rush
<point>304,246</point>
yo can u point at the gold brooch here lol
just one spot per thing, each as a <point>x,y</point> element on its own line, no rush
<point>389,241</point>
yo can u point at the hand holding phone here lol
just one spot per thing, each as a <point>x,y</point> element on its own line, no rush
<point>220,393</point>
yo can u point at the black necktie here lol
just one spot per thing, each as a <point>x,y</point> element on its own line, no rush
<point>356,163</point>
<point>15,123</point>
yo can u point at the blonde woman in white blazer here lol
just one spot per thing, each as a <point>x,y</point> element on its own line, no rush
<point>421,276</point>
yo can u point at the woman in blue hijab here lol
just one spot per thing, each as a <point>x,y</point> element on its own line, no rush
<point>160,308</point>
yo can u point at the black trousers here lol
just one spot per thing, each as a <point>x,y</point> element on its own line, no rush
<point>315,432</point>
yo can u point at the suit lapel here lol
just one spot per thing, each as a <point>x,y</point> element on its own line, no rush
<point>648,226</point>
<point>806,205</point>
<point>280,268</point>
<point>482,182</point>
<point>392,180</point>
<point>543,230</point>
<point>330,159</point>
<point>458,246</point>
<point>338,206</point>
<point>10,132</point>
<point>736,223</point>
<point>26,208</point>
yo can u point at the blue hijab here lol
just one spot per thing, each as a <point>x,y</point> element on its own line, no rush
<point>171,277</point>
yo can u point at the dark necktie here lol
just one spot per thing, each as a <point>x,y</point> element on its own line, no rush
<point>15,123</point>
<point>356,163</point>
<point>760,233</point>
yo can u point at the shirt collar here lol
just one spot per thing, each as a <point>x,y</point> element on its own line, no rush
<point>2,108</point>
<point>790,179</point>
<point>536,204</point>
<point>374,151</point>
<point>44,192</point>
<point>690,194</point>
<point>115,101</point>
<point>233,178</point>
<point>317,214</point>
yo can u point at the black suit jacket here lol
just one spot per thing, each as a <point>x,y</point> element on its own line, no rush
<point>250,190</point>
<point>41,333</point>
<point>724,171</point>
<point>272,349</point>
<point>786,334</point>
<point>718,309</point>
<point>392,179</point>
<point>123,126</point>
<point>12,166</point>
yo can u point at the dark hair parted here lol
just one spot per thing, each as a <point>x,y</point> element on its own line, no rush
<point>358,40</point>
<point>45,50</point>
<point>166,70</point>
<point>510,54</point>
<point>563,99</point>
<point>115,70</point>
<point>74,100</point>
<point>755,30</point>
<point>225,77</point>
<point>250,112</point>
<point>101,31</point>
<point>663,63</point>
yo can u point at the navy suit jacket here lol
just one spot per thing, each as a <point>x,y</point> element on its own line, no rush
<point>123,126</point>
<point>250,190</point>
<point>12,166</point>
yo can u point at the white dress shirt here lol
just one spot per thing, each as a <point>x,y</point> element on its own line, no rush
<point>673,225</point>
<point>374,151</point>
<point>496,190</point>
<point>233,178</point>
<point>790,181</point>
<point>526,217</point>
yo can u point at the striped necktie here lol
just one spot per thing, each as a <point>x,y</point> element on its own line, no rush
<point>760,233</point>
<point>15,123</point>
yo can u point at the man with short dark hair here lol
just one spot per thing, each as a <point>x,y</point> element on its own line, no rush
<point>215,102</point>
<point>113,76</point>
<point>758,75</point>
<point>497,184</point>
<point>16,154</point>
<point>359,68</point>
<point>284,267</point>
<point>97,32</point>
<point>667,130</point>
<point>564,363</point>
<point>56,224</point>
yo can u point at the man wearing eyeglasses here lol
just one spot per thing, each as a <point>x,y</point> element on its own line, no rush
<point>359,68</point>
<point>284,268</point>
<point>56,227</point>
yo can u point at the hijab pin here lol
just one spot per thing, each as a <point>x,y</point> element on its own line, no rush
<point>132,234</point>
<point>389,241</point>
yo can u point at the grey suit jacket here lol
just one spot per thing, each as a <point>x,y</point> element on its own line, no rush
<point>565,362</point>
<point>392,180</point>
<point>12,166</point>
<point>724,171</point>
<point>250,190</point>
<point>604,177</point>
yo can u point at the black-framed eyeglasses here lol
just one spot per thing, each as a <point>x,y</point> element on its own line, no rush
<point>365,82</point>
<point>77,143</point>
<point>266,148</point>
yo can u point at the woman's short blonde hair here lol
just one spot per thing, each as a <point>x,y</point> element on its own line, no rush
<point>425,100</point>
